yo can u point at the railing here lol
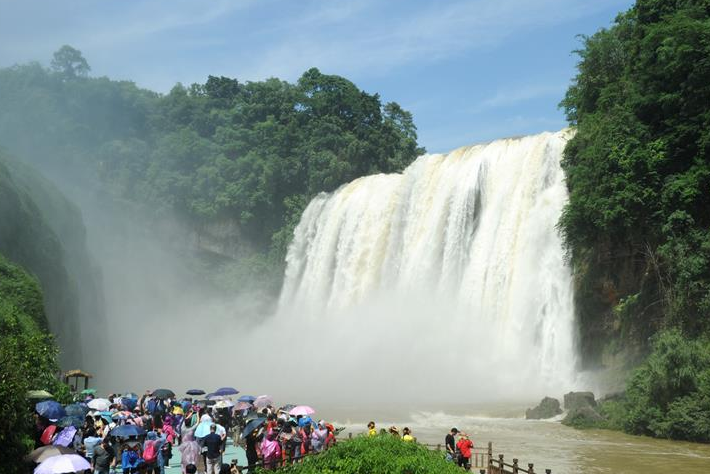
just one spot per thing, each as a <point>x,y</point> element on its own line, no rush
<point>501,467</point>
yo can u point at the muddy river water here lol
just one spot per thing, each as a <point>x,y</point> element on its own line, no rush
<point>547,444</point>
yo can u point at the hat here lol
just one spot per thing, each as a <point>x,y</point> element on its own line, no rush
<point>393,429</point>
<point>454,430</point>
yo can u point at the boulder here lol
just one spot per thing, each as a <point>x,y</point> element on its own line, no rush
<point>547,408</point>
<point>583,417</point>
<point>575,400</point>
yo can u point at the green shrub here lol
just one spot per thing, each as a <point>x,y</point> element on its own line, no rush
<point>381,454</point>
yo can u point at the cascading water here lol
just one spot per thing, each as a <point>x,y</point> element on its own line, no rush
<point>450,274</point>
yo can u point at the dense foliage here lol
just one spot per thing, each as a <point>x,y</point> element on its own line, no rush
<point>668,396</point>
<point>28,361</point>
<point>253,153</point>
<point>638,171</point>
<point>383,454</point>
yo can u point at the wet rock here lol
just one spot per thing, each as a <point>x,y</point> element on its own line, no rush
<point>583,417</point>
<point>548,408</point>
<point>575,400</point>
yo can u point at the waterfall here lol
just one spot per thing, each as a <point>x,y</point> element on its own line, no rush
<point>454,266</point>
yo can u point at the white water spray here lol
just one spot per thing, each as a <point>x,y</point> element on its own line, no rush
<point>449,276</point>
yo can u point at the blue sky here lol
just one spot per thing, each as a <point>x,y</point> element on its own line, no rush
<point>470,71</point>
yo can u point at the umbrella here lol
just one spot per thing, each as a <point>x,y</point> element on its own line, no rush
<point>46,452</point>
<point>50,409</point>
<point>226,391</point>
<point>262,401</point>
<point>65,437</point>
<point>195,391</point>
<point>302,410</point>
<point>224,404</point>
<point>63,463</point>
<point>129,403</point>
<point>243,406</point>
<point>69,420</point>
<point>246,398</point>
<point>251,426</point>
<point>39,394</point>
<point>76,409</point>
<point>88,391</point>
<point>99,404</point>
<point>106,415</point>
<point>163,393</point>
<point>125,431</point>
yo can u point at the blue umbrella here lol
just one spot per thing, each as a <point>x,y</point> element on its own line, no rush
<point>75,421</point>
<point>225,391</point>
<point>77,409</point>
<point>106,415</point>
<point>124,431</point>
<point>252,425</point>
<point>129,403</point>
<point>195,391</point>
<point>246,398</point>
<point>50,409</point>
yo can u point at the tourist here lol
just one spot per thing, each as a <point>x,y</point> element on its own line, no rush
<point>252,443</point>
<point>189,450</point>
<point>270,451</point>
<point>394,431</point>
<point>450,443</point>
<point>104,458</point>
<point>130,458</point>
<point>407,435</point>
<point>318,437</point>
<point>464,445</point>
<point>371,430</point>
<point>213,443</point>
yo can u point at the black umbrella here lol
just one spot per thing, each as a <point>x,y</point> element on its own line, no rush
<point>195,391</point>
<point>163,393</point>
<point>252,425</point>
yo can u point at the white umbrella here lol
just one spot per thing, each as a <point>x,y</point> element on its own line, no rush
<point>224,404</point>
<point>62,464</point>
<point>99,404</point>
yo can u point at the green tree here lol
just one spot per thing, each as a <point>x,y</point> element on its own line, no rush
<point>70,63</point>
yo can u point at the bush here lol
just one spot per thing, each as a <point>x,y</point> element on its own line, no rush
<point>382,454</point>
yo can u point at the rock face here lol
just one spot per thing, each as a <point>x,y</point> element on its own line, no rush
<point>575,400</point>
<point>548,408</point>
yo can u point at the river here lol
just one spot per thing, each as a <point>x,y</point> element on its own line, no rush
<point>547,444</point>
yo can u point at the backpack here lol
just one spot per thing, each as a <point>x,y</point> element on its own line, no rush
<point>167,450</point>
<point>150,454</point>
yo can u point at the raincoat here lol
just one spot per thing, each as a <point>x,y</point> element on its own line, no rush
<point>189,449</point>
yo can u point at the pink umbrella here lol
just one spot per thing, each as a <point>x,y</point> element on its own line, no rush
<point>62,464</point>
<point>302,410</point>
<point>243,406</point>
<point>262,401</point>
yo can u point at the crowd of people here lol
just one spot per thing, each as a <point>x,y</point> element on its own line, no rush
<point>140,433</point>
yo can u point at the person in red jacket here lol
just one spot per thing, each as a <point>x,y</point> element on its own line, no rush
<point>464,446</point>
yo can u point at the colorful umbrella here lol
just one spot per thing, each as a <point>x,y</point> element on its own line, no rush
<point>243,406</point>
<point>88,391</point>
<point>302,410</point>
<point>65,437</point>
<point>50,409</point>
<point>262,401</point>
<point>63,463</point>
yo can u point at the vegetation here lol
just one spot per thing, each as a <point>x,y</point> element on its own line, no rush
<point>383,454</point>
<point>253,153</point>
<point>28,361</point>
<point>637,224</point>
<point>638,170</point>
<point>668,396</point>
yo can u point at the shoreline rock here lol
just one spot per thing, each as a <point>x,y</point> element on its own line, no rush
<point>548,408</point>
